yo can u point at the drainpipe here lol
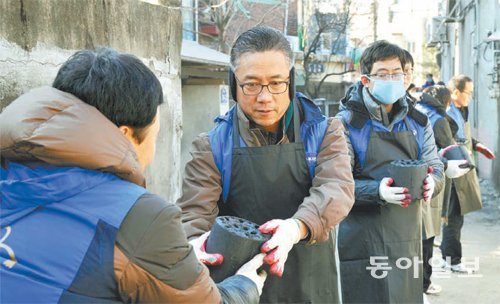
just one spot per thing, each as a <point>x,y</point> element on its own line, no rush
<point>286,19</point>
<point>476,61</point>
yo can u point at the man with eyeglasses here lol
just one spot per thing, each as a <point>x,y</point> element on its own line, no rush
<point>465,192</point>
<point>380,245</point>
<point>276,160</point>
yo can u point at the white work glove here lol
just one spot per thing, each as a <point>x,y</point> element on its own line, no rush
<point>286,233</point>
<point>457,168</point>
<point>199,245</point>
<point>249,270</point>
<point>429,185</point>
<point>394,195</point>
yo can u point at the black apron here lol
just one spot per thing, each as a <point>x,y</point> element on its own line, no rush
<point>382,231</point>
<point>270,182</point>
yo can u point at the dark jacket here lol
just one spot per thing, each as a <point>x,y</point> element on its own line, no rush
<point>366,191</point>
<point>151,260</point>
<point>444,127</point>
<point>444,131</point>
<point>375,228</point>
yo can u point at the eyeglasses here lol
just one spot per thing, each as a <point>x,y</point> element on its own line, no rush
<point>468,93</point>
<point>274,87</point>
<point>408,72</point>
<point>383,76</point>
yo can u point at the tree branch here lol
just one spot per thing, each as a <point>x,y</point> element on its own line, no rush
<point>318,87</point>
<point>200,33</point>
<point>267,13</point>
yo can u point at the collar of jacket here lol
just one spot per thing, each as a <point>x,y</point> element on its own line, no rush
<point>253,135</point>
<point>464,111</point>
<point>312,113</point>
<point>57,128</point>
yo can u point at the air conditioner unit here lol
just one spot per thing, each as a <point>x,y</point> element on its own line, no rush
<point>437,31</point>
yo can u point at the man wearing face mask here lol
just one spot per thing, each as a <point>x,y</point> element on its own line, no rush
<point>385,225</point>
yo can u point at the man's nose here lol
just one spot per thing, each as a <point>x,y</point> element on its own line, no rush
<point>265,95</point>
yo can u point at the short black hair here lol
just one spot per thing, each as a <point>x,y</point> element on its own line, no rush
<point>408,58</point>
<point>440,92</point>
<point>378,51</point>
<point>119,85</point>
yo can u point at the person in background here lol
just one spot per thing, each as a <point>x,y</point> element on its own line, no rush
<point>385,224</point>
<point>275,160</point>
<point>77,224</point>
<point>433,103</point>
<point>429,81</point>
<point>465,192</point>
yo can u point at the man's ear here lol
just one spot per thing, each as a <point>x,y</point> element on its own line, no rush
<point>129,134</point>
<point>454,94</point>
<point>365,80</point>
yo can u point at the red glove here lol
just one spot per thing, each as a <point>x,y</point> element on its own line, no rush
<point>429,185</point>
<point>199,245</point>
<point>485,151</point>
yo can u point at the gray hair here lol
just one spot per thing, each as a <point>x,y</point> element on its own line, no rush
<point>260,39</point>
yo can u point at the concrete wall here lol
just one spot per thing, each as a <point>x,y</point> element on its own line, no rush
<point>468,53</point>
<point>37,36</point>
<point>200,106</point>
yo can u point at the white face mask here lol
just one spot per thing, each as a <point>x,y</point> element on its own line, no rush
<point>388,91</point>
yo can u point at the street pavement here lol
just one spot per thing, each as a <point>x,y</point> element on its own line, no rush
<point>481,249</point>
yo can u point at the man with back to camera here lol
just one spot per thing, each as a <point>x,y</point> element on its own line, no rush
<point>384,225</point>
<point>273,159</point>
<point>77,224</point>
<point>465,192</point>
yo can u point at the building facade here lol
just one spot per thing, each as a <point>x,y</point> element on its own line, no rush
<point>467,38</point>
